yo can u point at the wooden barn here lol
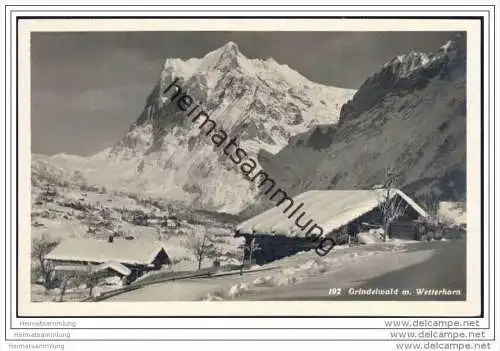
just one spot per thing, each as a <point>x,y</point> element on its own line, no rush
<point>122,258</point>
<point>339,213</point>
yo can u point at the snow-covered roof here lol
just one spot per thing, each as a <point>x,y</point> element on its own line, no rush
<point>329,209</point>
<point>123,251</point>
<point>116,266</point>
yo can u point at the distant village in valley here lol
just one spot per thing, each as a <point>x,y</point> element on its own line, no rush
<point>121,241</point>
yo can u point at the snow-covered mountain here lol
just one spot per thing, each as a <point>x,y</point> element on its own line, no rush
<point>43,171</point>
<point>410,116</point>
<point>260,102</point>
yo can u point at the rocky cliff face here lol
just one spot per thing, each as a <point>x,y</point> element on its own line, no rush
<point>410,116</point>
<point>405,74</point>
<point>260,102</point>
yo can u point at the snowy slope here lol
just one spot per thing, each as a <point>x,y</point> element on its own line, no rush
<point>410,116</point>
<point>261,102</point>
<point>45,171</point>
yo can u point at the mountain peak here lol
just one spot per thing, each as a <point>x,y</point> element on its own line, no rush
<point>231,48</point>
<point>225,58</point>
<point>405,64</point>
<point>406,73</point>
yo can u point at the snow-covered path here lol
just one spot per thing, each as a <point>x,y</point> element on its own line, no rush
<point>306,276</point>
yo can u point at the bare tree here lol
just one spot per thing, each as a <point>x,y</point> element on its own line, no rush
<point>249,248</point>
<point>88,218</point>
<point>432,207</point>
<point>200,244</point>
<point>243,247</point>
<point>391,205</point>
<point>252,247</point>
<point>88,277</point>
<point>39,248</point>
<point>64,284</point>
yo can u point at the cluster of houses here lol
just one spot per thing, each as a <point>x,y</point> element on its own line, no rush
<point>142,218</point>
<point>337,211</point>
<point>124,259</point>
<point>48,195</point>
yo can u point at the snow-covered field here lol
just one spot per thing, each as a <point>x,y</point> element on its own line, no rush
<point>60,212</point>
<point>286,273</point>
<point>301,268</point>
<point>304,276</point>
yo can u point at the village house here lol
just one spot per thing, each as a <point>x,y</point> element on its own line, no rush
<point>48,195</point>
<point>122,258</point>
<point>337,212</point>
<point>171,222</point>
<point>139,217</point>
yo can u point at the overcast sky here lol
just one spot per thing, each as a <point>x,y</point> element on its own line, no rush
<point>88,88</point>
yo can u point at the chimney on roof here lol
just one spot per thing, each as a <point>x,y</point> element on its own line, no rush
<point>110,239</point>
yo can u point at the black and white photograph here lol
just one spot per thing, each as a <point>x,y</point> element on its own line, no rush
<point>243,176</point>
<point>222,166</point>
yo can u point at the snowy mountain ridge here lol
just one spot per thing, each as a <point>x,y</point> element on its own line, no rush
<point>406,64</point>
<point>410,117</point>
<point>261,102</point>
